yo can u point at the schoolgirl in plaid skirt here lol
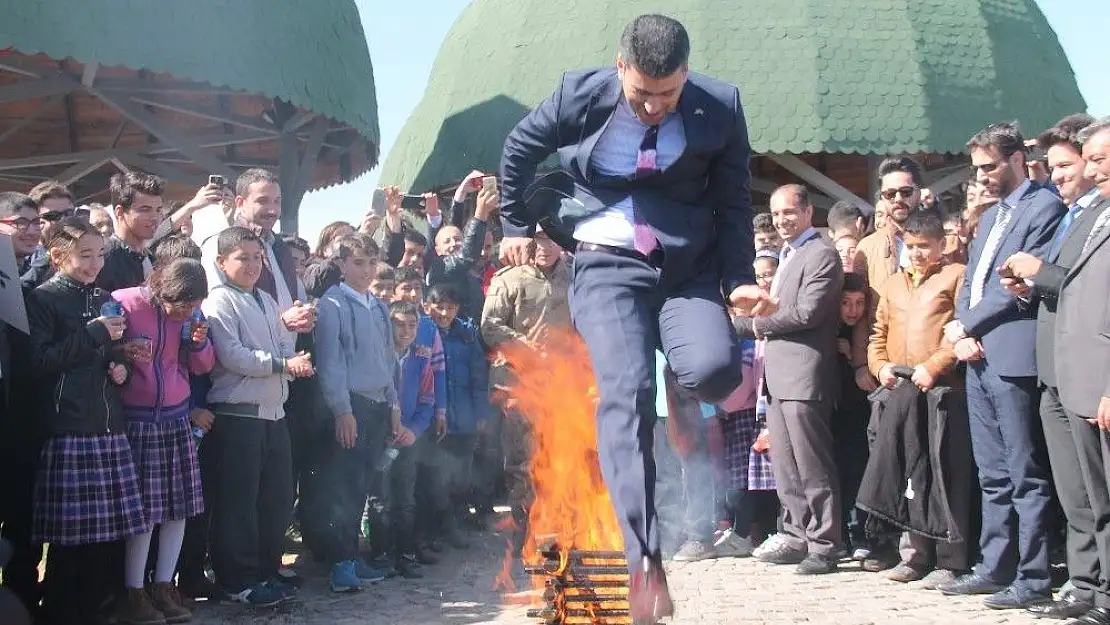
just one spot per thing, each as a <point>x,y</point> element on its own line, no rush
<point>166,340</point>
<point>86,490</point>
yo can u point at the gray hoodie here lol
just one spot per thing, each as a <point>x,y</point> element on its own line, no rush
<point>354,349</point>
<point>251,347</point>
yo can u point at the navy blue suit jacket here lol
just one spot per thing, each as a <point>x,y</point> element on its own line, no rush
<point>699,207</point>
<point>1006,328</point>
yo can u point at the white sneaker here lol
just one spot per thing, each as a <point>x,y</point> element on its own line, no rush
<point>774,541</point>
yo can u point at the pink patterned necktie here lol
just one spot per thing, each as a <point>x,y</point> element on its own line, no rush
<point>643,238</point>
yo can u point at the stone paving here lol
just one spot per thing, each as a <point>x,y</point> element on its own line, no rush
<point>727,592</point>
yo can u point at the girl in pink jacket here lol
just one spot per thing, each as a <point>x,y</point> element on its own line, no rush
<point>166,340</point>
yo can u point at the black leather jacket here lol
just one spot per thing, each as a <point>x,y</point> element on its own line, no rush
<point>70,353</point>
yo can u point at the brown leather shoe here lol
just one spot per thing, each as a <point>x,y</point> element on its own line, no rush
<point>137,609</point>
<point>168,602</point>
<point>649,598</point>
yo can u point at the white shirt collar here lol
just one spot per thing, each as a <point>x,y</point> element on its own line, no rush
<point>1088,198</point>
<point>363,298</point>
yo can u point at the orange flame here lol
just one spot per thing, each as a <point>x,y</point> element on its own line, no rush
<point>554,390</point>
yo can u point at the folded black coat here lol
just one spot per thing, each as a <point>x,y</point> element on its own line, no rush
<point>920,470</point>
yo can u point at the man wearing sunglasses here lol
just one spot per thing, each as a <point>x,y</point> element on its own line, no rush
<point>881,255</point>
<point>996,337</point>
<point>55,203</point>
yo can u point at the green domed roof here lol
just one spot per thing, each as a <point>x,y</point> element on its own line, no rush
<point>848,76</point>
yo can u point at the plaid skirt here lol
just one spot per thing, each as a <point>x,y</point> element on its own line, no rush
<point>169,473</point>
<point>87,491</point>
<point>746,469</point>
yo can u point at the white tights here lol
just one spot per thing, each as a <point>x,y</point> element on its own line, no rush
<point>170,537</point>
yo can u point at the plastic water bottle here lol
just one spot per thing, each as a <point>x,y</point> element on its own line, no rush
<point>187,327</point>
<point>111,309</point>
<point>199,432</point>
<point>761,407</point>
<point>388,456</point>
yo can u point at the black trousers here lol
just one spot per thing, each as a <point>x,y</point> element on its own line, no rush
<point>193,561</point>
<point>400,482</point>
<point>850,451</point>
<point>343,481</point>
<point>624,311</point>
<point>253,502</point>
<point>19,455</point>
<point>75,584</point>
<point>431,488</point>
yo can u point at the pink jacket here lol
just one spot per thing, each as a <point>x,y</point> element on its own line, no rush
<point>159,390</point>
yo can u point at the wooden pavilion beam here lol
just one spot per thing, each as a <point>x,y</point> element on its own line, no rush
<point>38,88</point>
<point>158,168</point>
<point>203,112</point>
<point>81,169</point>
<point>29,119</point>
<point>288,164</point>
<point>309,158</point>
<point>950,181</point>
<point>140,117</point>
<point>803,170</point>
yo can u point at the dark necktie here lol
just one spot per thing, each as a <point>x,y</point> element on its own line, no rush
<point>644,239</point>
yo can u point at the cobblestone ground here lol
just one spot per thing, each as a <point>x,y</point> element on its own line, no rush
<point>458,590</point>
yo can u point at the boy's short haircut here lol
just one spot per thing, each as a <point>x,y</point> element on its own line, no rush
<point>50,190</point>
<point>843,215</point>
<point>233,238</point>
<point>768,253</point>
<point>762,223</point>
<point>416,238</point>
<point>403,309</point>
<point>348,245</point>
<point>297,243</point>
<point>953,217</point>
<point>442,294</point>
<point>384,272</point>
<point>847,235</point>
<point>177,246</point>
<point>927,224</point>
<point>854,283</point>
<point>407,274</point>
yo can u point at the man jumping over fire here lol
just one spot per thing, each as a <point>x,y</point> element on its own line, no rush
<point>652,198</point>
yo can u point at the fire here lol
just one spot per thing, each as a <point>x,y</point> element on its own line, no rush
<point>554,390</point>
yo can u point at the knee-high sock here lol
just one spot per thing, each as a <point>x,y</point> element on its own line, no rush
<point>134,567</point>
<point>170,537</point>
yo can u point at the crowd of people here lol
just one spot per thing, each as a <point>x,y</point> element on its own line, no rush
<point>178,404</point>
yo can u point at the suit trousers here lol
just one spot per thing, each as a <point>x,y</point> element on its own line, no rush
<point>1073,443</point>
<point>622,312</point>
<point>806,475</point>
<point>1008,445</point>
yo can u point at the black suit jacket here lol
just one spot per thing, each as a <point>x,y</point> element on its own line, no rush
<point>699,207</point>
<point>1048,281</point>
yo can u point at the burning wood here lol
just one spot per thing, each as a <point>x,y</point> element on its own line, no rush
<point>573,546</point>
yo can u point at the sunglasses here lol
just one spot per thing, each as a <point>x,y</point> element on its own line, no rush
<point>890,194</point>
<point>56,215</point>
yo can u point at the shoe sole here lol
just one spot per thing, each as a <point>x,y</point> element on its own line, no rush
<point>374,580</point>
<point>344,589</point>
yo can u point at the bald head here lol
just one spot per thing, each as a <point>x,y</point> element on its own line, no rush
<point>448,240</point>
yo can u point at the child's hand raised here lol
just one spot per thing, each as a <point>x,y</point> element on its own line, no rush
<point>118,373</point>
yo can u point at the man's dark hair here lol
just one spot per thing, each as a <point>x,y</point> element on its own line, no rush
<point>232,238</point>
<point>843,215</point>
<point>953,217</point>
<point>903,164</point>
<point>854,283</point>
<point>414,237</point>
<point>402,308</point>
<point>11,203</point>
<point>927,224</point>
<point>763,223</point>
<point>1065,131</point>
<point>799,191</point>
<point>124,187</point>
<point>178,281</point>
<point>297,243</point>
<point>172,248</point>
<point>50,189</point>
<point>442,294</point>
<point>1003,136</point>
<point>407,274</point>
<point>255,174</point>
<point>656,45</point>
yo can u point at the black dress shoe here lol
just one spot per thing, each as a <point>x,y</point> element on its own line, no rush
<point>1067,606</point>
<point>1094,616</point>
<point>1013,599</point>
<point>970,584</point>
